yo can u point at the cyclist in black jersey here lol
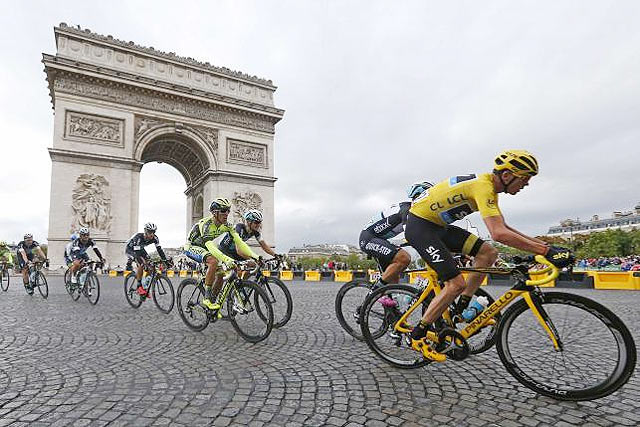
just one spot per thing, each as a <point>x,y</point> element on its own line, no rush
<point>385,225</point>
<point>250,228</point>
<point>25,253</point>
<point>75,253</point>
<point>136,251</point>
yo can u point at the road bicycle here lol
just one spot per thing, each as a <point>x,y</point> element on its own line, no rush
<point>560,345</point>
<point>278,293</point>
<point>88,282</point>
<point>159,286</point>
<point>37,278</point>
<point>4,276</point>
<point>352,294</point>
<point>247,304</point>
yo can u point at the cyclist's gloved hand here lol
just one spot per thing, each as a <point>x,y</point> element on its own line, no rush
<point>559,257</point>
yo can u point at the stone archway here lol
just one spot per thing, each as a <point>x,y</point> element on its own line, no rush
<point>118,105</point>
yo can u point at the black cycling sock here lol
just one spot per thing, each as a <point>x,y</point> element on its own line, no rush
<point>463,303</point>
<point>420,331</point>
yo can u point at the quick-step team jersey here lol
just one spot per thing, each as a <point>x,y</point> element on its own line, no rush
<point>454,198</point>
<point>390,222</point>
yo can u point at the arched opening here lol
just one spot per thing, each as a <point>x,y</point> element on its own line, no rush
<point>173,162</point>
<point>163,202</point>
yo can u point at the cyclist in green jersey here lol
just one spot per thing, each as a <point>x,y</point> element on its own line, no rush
<point>202,246</point>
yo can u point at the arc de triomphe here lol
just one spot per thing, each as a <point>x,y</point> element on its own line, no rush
<point>118,105</point>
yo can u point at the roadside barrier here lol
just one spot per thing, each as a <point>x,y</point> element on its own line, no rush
<point>126,273</point>
<point>312,276</point>
<point>113,273</point>
<point>170,273</point>
<point>343,276</point>
<point>286,275</point>
<point>183,273</point>
<point>266,273</point>
<point>615,280</point>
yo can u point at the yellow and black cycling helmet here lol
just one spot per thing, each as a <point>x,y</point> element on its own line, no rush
<point>520,162</point>
<point>220,204</point>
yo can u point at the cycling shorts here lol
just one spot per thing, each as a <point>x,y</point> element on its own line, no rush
<point>231,252</point>
<point>435,243</point>
<point>380,249</point>
<point>139,256</point>
<point>196,253</point>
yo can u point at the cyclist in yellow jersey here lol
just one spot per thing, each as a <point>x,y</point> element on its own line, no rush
<point>430,232</point>
<point>202,246</point>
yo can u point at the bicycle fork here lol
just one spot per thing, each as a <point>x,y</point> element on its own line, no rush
<point>534,301</point>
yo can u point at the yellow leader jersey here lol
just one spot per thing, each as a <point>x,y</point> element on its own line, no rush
<point>454,198</point>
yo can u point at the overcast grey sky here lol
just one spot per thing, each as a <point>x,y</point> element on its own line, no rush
<point>377,95</point>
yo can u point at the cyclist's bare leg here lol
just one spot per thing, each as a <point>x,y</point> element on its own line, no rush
<point>486,257</point>
<point>450,292</point>
<point>25,275</point>
<point>399,263</point>
<point>212,266</point>
<point>217,285</point>
<point>75,266</point>
<point>139,271</point>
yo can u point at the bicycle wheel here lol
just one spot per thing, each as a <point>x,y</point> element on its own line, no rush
<point>67,281</point>
<point>377,321</point>
<point>131,291</point>
<point>163,294</point>
<point>280,299</point>
<point>597,356</point>
<point>486,337</point>
<point>41,283</point>
<point>349,300</point>
<point>91,288</point>
<point>4,279</point>
<point>250,311</point>
<point>189,296</point>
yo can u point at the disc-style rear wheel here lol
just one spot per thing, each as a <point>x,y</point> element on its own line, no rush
<point>250,311</point>
<point>163,294</point>
<point>189,296</point>
<point>131,291</point>
<point>597,353</point>
<point>4,278</point>
<point>41,284</point>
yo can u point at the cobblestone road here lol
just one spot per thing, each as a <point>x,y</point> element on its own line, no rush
<point>66,363</point>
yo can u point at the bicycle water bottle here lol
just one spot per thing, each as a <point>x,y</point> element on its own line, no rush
<point>476,307</point>
<point>146,281</point>
<point>82,277</point>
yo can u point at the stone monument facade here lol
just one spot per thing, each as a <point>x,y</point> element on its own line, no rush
<point>118,105</point>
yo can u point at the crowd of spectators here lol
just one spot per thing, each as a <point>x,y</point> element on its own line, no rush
<point>628,263</point>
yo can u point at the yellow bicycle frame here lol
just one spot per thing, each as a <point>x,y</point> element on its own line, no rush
<point>489,312</point>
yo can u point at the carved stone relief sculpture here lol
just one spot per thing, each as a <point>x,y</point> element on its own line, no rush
<point>246,153</point>
<point>242,202</point>
<point>91,203</point>
<point>97,128</point>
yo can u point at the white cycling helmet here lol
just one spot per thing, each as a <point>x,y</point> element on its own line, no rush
<point>417,189</point>
<point>28,236</point>
<point>253,215</point>
<point>150,226</point>
<point>84,231</point>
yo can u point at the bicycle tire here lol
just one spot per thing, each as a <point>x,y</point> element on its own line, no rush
<point>192,302</point>
<point>43,286</point>
<point>67,280</point>
<point>5,279</point>
<point>550,304</point>
<point>353,330</point>
<point>386,346</point>
<point>279,321</point>
<point>162,289</point>
<point>131,291</point>
<point>245,298</point>
<point>91,288</point>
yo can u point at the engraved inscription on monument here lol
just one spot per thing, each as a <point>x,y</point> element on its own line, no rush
<point>103,130</point>
<point>246,153</point>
